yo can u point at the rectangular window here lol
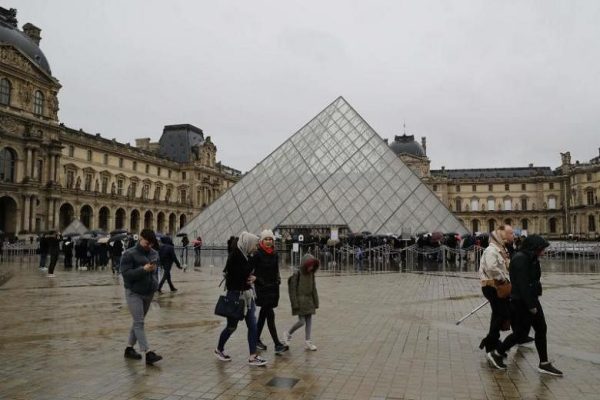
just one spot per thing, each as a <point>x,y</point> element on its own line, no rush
<point>120,162</point>
<point>105,159</point>
<point>120,187</point>
<point>507,204</point>
<point>589,177</point>
<point>458,188</point>
<point>88,182</point>
<point>458,205</point>
<point>158,171</point>
<point>490,188</point>
<point>474,205</point>
<point>169,174</point>
<point>507,187</point>
<point>590,197</point>
<point>552,203</point>
<point>183,175</point>
<point>157,193</point>
<point>71,151</point>
<point>491,204</point>
<point>168,194</point>
<point>135,165</point>
<point>147,168</point>
<point>40,170</point>
<point>524,204</point>
<point>145,191</point>
<point>199,197</point>
<point>89,155</point>
<point>435,188</point>
<point>183,196</point>
<point>133,189</point>
<point>474,188</point>
<point>523,186</point>
<point>104,184</point>
<point>70,179</point>
<point>551,185</point>
<point>525,224</point>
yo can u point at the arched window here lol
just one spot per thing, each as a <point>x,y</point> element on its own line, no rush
<point>38,103</point>
<point>491,225</point>
<point>5,89</point>
<point>8,161</point>
<point>458,204</point>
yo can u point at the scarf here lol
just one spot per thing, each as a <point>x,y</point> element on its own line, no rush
<point>268,250</point>
<point>498,242</point>
<point>247,243</point>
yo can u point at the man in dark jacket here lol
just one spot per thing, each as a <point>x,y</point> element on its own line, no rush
<point>115,253</point>
<point>138,267</point>
<point>43,251</point>
<point>167,256</point>
<point>53,240</point>
<point>525,274</point>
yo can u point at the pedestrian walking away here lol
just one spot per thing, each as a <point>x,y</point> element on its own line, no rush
<point>493,272</point>
<point>266,269</point>
<point>197,243</point>
<point>53,240</point>
<point>238,282</point>
<point>167,257</point>
<point>527,311</point>
<point>304,299</point>
<point>138,268</point>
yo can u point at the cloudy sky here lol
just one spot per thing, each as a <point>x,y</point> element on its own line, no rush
<point>489,83</point>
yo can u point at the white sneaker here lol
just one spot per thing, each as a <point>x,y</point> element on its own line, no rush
<point>257,361</point>
<point>309,345</point>
<point>287,338</point>
<point>44,269</point>
<point>51,275</point>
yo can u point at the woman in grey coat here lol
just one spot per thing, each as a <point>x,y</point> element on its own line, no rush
<point>304,299</point>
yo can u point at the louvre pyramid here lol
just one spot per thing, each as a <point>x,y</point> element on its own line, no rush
<point>336,170</point>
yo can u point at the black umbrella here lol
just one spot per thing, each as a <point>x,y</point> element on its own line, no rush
<point>96,232</point>
<point>70,234</point>
<point>181,234</point>
<point>117,231</point>
<point>118,236</point>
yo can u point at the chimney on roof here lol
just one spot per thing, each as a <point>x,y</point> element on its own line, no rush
<point>424,144</point>
<point>33,32</point>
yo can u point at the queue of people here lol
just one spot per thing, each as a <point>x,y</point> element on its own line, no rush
<point>512,286</point>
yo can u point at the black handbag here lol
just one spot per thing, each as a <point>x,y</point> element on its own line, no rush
<point>230,308</point>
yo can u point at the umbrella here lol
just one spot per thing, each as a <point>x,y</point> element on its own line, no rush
<point>181,234</point>
<point>86,236</point>
<point>119,236</point>
<point>97,232</point>
<point>70,234</point>
<point>437,236</point>
<point>103,239</point>
<point>117,231</point>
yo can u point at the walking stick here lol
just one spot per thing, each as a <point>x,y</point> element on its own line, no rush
<point>471,313</point>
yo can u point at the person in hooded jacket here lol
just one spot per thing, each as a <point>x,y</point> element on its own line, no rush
<point>525,274</point>
<point>304,299</point>
<point>238,282</point>
<point>266,269</point>
<point>167,256</point>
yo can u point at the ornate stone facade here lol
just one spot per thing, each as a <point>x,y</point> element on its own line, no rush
<point>554,202</point>
<point>50,174</point>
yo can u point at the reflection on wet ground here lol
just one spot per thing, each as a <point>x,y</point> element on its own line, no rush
<point>379,336</point>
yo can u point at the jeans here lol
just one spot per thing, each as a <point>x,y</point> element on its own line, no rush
<point>232,325</point>
<point>53,260</point>
<point>138,307</point>
<point>43,257</point>
<point>166,277</point>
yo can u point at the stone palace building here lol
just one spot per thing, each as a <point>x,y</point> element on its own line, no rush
<point>51,174</point>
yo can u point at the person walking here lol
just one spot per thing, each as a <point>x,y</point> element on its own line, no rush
<point>43,251</point>
<point>304,299</point>
<point>53,241</point>
<point>238,282</point>
<point>68,252</point>
<point>116,252</point>
<point>493,271</point>
<point>197,251</point>
<point>138,268</point>
<point>266,269</point>
<point>525,275</point>
<point>167,256</point>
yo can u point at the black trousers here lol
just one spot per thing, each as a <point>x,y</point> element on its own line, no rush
<point>500,314</point>
<point>522,320</point>
<point>268,314</point>
<point>53,260</point>
<point>166,277</point>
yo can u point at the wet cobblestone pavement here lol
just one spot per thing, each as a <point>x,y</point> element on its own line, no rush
<point>388,336</point>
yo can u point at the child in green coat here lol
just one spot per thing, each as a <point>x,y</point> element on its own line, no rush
<point>304,299</point>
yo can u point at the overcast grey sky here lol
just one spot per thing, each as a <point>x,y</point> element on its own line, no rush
<point>489,83</point>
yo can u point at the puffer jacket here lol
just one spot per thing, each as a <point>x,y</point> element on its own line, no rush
<point>135,277</point>
<point>266,270</point>
<point>302,289</point>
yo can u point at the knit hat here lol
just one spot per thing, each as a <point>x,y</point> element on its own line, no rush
<point>307,260</point>
<point>267,233</point>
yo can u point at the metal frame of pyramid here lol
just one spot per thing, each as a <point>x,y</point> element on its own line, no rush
<point>336,170</point>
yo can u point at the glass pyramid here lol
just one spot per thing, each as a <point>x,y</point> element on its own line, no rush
<point>336,170</point>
